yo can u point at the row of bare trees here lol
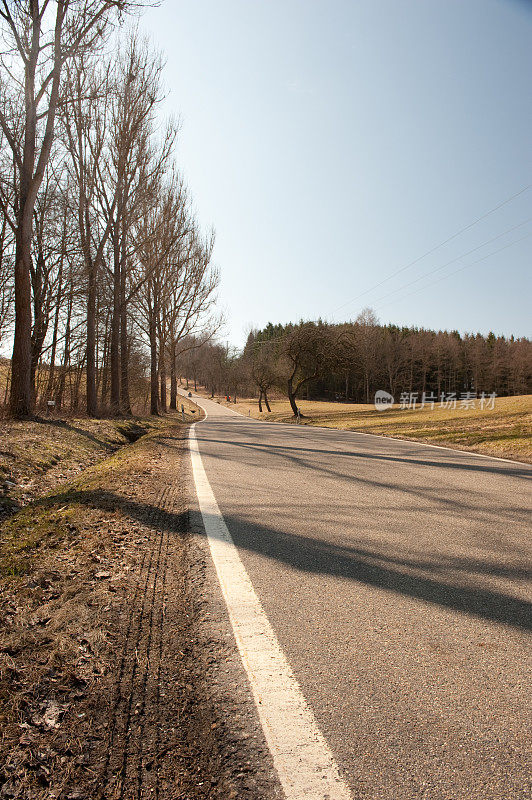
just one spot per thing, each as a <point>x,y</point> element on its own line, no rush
<point>105,276</point>
<point>353,360</point>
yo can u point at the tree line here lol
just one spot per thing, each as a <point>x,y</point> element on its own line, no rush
<point>106,278</point>
<point>353,360</point>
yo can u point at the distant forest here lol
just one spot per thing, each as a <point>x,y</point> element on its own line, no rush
<point>353,360</point>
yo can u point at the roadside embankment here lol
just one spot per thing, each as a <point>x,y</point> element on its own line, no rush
<point>102,689</point>
<point>38,455</point>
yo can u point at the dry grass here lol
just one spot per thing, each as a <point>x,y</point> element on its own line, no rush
<point>70,572</point>
<point>40,522</point>
<point>505,431</point>
<point>38,455</point>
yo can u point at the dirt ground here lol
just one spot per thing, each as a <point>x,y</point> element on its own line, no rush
<point>104,687</point>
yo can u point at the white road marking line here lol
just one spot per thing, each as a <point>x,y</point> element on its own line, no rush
<point>305,765</point>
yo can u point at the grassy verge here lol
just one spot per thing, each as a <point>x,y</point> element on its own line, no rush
<point>50,521</point>
<point>38,455</point>
<point>103,689</point>
<point>505,431</point>
<point>82,569</point>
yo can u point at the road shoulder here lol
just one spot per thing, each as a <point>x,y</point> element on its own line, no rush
<point>108,669</point>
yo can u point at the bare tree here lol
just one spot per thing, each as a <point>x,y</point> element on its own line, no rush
<point>261,357</point>
<point>7,294</point>
<point>306,352</point>
<point>131,182</point>
<point>192,284</point>
<point>41,36</point>
<point>86,137</point>
<point>160,229</point>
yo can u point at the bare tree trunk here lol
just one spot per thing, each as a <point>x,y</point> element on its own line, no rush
<point>153,313</point>
<point>21,394</point>
<point>105,369</point>
<point>162,375</point>
<point>41,312</point>
<point>21,391</point>
<point>260,401</point>
<point>74,401</point>
<point>125,402</point>
<point>58,299</point>
<point>66,350</point>
<point>115,333</point>
<point>173,377</point>
<point>154,388</point>
<point>40,380</point>
<point>266,401</point>
<point>92,399</point>
<point>292,397</point>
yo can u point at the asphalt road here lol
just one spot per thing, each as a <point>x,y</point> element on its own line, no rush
<point>397,580</point>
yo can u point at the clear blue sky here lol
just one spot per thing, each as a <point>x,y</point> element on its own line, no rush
<point>332,143</point>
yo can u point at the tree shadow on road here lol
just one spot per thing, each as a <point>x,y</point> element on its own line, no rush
<point>465,462</point>
<point>348,467</point>
<point>458,584</point>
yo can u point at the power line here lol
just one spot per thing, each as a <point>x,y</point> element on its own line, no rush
<point>429,252</point>
<point>460,269</point>
<point>444,277</point>
<point>432,250</point>
<point>453,260</point>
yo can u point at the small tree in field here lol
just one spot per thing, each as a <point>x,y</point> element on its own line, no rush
<point>307,351</point>
<point>260,357</point>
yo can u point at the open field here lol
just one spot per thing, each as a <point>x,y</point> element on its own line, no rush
<point>505,431</point>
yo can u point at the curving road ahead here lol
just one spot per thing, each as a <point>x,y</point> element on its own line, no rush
<point>396,577</point>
